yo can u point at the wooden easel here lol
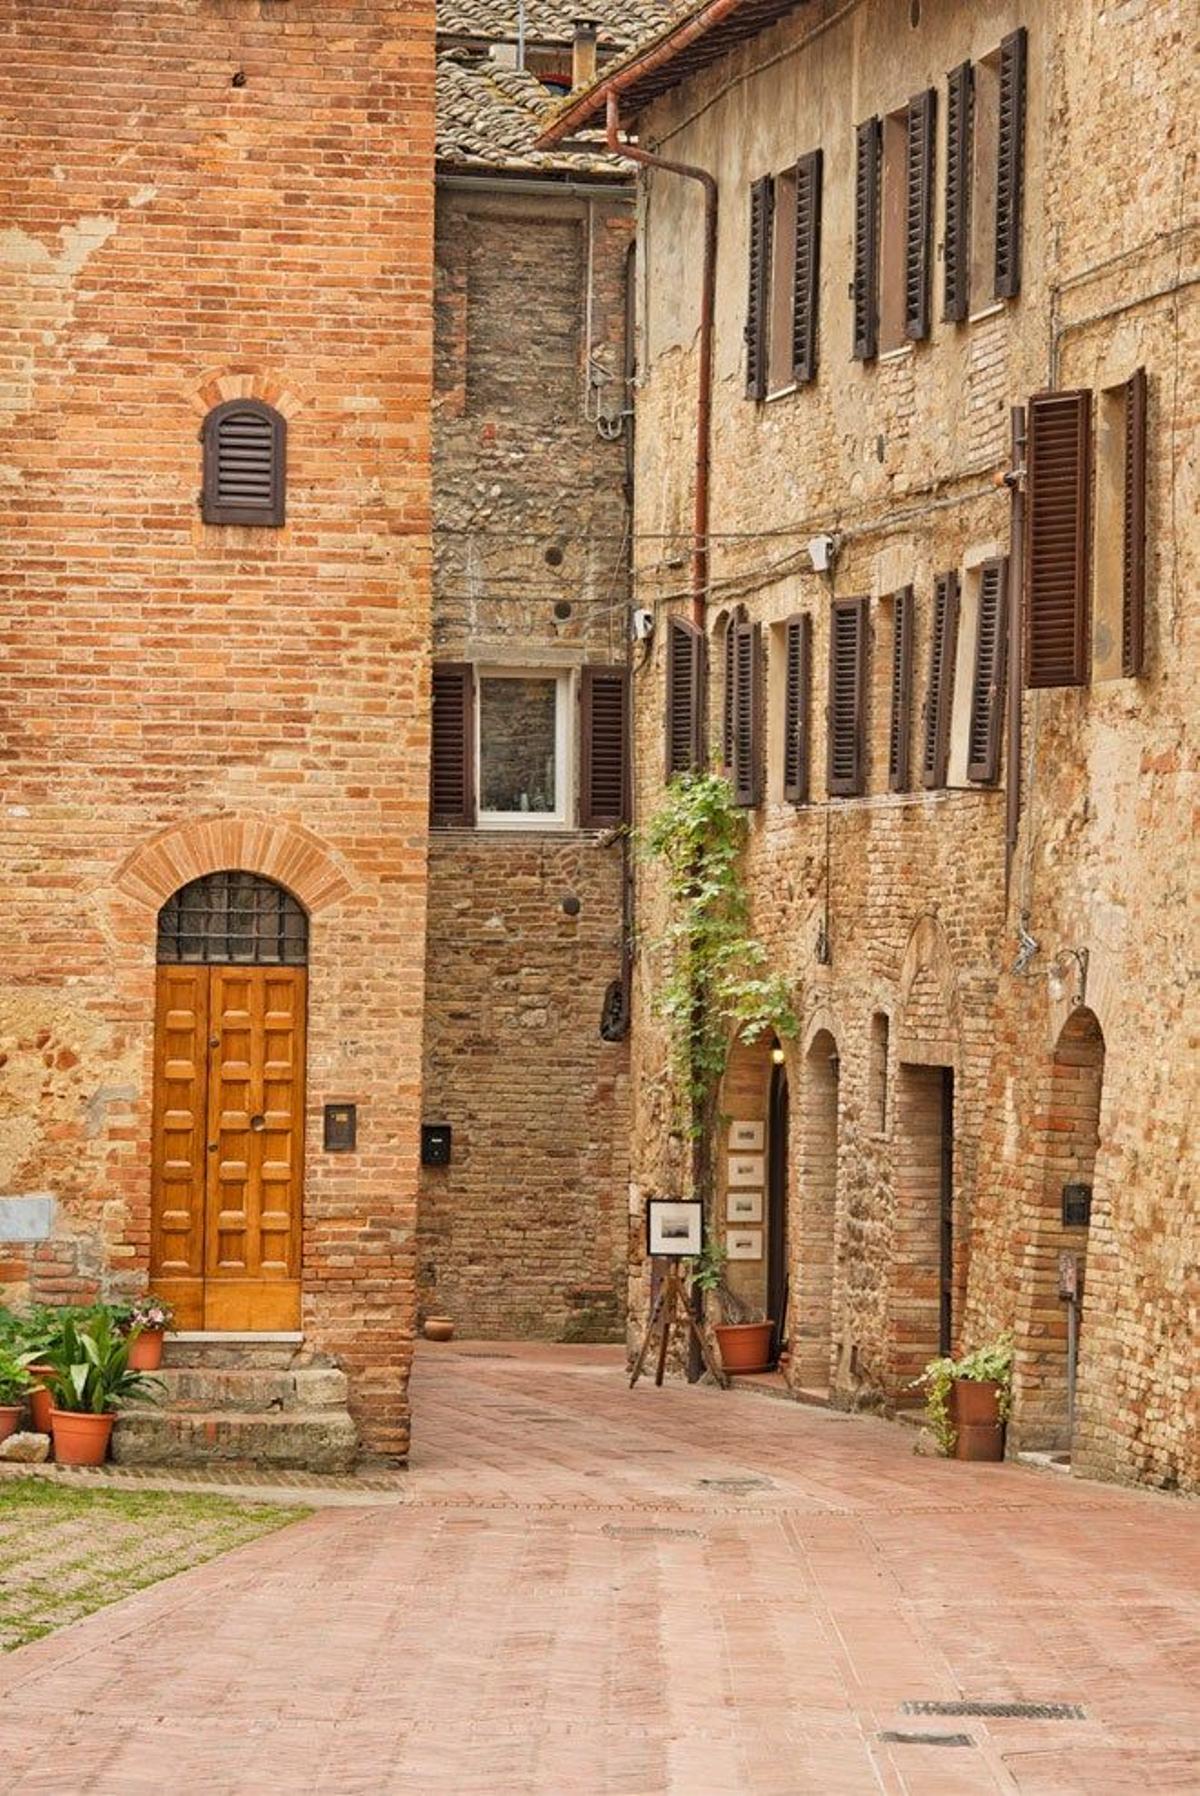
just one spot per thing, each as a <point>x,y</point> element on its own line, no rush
<point>671,1309</point>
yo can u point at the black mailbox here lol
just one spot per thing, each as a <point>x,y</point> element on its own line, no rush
<point>341,1128</point>
<point>435,1144</point>
<point>1076,1206</point>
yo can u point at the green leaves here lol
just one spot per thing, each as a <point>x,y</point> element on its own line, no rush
<point>990,1364</point>
<point>91,1367</point>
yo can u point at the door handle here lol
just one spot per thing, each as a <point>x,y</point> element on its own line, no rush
<point>213,1146</point>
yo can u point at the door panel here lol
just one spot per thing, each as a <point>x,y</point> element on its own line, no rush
<point>252,1154</point>
<point>180,1132</point>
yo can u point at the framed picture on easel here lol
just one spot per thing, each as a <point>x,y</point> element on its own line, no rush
<point>674,1228</point>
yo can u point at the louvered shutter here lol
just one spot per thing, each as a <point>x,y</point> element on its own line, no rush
<point>797,703</point>
<point>452,753</point>
<point>987,684</point>
<point>1010,164</point>
<point>918,217</point>
<point>806,280</point>
<point>747,707</point>
<point>245,446</point>
<point>847,693</point>
<point>960,100</point>
<point>1133,571</point>
<point>604,773</point>
<point>939,699</point>
<point>866,239</point>
<point>685,666</point>
<point>1057,528</point>
<point>762,207</point>
<point>727,700</point>
<point>900,728</point>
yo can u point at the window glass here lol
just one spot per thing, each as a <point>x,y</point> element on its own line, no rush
<point>518,744</point>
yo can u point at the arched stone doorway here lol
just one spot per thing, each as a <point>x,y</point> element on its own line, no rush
<point>754,1182</point>
<point>229,1092</point>
<point>814,1255</point>
<point>1049,1337</point>
<point>778,1195</point>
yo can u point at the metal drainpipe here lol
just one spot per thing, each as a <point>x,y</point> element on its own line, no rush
<point>1015,480</point>
<point>708,291</point>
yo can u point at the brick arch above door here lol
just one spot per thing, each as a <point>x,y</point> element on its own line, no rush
<point>284,852</point>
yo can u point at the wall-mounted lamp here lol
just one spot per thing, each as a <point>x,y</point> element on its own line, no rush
<point>1067,976</point>
<point>777,1055</point>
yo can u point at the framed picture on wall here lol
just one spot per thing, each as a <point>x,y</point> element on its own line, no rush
<point>743,1206</point>
<point>747,1137</point>
<point>746,1169</point>
<point>674,1227</point>
<point>744,1244</point>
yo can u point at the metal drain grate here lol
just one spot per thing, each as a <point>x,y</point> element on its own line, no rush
<point>631,1532</point>
<point>894,1738</point>
<point>1014,1711</point>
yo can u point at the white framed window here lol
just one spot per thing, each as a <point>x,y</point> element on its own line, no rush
<point>523,747</point>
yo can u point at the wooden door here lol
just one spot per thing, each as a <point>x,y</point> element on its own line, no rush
<point>229,1145</point>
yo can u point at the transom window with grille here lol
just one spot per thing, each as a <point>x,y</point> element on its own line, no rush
<point>245,444</point>
<point>238,919</point>
<point>784,278</point>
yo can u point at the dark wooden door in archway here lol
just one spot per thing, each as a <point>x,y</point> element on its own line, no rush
<point>777,1208</point>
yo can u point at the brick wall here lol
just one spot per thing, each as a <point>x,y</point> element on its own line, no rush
<point>203,202</point>
<point>524,1232</point>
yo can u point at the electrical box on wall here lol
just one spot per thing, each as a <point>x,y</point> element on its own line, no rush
<point>341,1128</point>
<point>435,1144</point>
<point>1076,1206</point>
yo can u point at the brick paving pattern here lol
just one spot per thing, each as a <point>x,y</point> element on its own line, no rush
<point>607,1593</point>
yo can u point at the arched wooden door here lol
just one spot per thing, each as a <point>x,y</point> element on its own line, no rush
<point>229,1069</point>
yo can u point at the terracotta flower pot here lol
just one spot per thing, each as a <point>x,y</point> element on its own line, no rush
<point>10,1417</point>
<point>745,1346</point>
<point>146,1350</point>
<point>79,1438</point>
<point>41,1399</point>
<point>975,1413</point>
<point>439,1328</point>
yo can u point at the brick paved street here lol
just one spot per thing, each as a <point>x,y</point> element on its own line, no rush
<point>600,1593</point>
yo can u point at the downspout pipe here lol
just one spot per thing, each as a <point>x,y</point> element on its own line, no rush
<point>1015,481</point>
<point>708,294</point>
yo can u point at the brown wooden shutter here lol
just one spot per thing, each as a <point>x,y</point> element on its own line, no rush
<point>987,684</point>
<point>452,754</point>
<point>727,699</point>
<point>1133,576</point>
<point>762,208</point>
<point>245,448</point>
<point>847,695</point>
<point>1010,164</point>
<point>960,101</point>
<point>918,225</point>
<point>604,774</point>
<point>685,669</point>
<point>806,281</point>
<point>866,239</point>
<point>1057,515</point>
<point>939,699</point>
<point>900,730</point>
<point>797,704</point>
<point>747,709</point>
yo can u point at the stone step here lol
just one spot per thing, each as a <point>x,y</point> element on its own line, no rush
<point>252,1388</point>
<point>264,1352</point>
<point>301,1440</point>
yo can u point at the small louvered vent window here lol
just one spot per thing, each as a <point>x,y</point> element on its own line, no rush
<point>244,448</point>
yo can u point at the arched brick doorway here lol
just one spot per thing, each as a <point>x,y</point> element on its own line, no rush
<point>1066,1143</point>
<point>814,1258</point>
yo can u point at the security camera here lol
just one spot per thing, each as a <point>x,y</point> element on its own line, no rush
<point>643,626</point>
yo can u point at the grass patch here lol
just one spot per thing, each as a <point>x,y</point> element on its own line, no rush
<point>65,1551</point>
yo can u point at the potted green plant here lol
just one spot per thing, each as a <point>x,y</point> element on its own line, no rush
<point>743,1337</point>
<point>146,1323</point>
<point>14,1383</point>
<point>967,1400</point>
<point>92,1379</point>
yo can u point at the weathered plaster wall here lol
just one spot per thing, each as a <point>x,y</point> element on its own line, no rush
<point>898,458</point>
<point>176,697</point>
<point>523,1233</point>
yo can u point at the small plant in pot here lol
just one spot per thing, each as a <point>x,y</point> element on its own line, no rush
<point>92,1380</point>
<point>146,1323</point>
<point>743,1335</point>
<point>967,1400</point>
<point>14,1384</point>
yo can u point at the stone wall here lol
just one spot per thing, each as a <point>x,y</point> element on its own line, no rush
<point>203,203</point>
<point>523,1234</point>
<point>897,903</point>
